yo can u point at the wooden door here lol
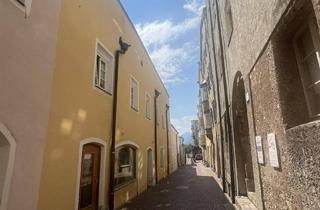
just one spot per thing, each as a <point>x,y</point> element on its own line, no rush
<point>89,181</point>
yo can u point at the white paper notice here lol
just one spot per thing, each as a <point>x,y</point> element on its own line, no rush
<point>273,152</point>
<point>259,149</point>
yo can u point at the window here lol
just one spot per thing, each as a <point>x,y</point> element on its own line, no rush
<point>161,157</point>
<point>7,154</point>
<point>148,107</point>
<point>134,94</point>
<point>104,70</point>
<point>162,121</point>
<point>229,21</point>
<point>125,167</point>
<point>307,52</point>
<point>24,5</point>
<point>22,2</point>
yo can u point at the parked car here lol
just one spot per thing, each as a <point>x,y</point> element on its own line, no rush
<point>198,157</point>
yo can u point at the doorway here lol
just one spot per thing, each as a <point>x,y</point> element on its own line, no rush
<point>243,159</point>
<point>150,168</point>
<point>90,176</point>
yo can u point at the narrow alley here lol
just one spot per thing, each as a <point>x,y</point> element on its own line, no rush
<point>190,187</point>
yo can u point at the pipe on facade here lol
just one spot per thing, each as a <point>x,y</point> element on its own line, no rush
<point>123,49</point>
<point>219,103</point>
<point>168,156</point>
<point>228,122</point>
<point>156,95</point>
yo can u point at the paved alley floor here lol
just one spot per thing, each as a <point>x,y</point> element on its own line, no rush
<point>190,187</point>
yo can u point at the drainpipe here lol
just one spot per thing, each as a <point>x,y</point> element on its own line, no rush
<point>123,49</point>
<point>219,104</point>
<point>168,156</point>
<point>156,95</point>
<point>229,132</point>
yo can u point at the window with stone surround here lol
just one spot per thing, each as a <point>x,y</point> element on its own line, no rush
<point>307,45</point>
<point>125,165</point>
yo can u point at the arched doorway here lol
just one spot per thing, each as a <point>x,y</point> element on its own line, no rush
<point>90,191</point>
<point>243,159</point>
<point>150,167</point>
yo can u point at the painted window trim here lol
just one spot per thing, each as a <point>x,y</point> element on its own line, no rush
<point>9,172</point>
<point>26,8</point>
<point>148,95</point>
<point>138,94</point>
<point>161,157</point>
<point>103,145</point>
<point>101,90</point>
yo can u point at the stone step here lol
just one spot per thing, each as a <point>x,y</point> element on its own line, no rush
<point>243,203</point>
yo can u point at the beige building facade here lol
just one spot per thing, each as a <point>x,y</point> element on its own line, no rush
<point>56,118</point>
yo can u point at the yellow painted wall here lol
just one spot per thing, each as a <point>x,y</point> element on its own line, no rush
<point>79,111</point>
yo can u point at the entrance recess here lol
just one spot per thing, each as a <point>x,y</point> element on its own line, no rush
<point>243,158</point>
<point>150,168</point>
<point>90,175</point>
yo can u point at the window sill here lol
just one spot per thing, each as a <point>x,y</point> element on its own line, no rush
<point>103,90</point>
<point>134,109</point>
<point>119,187</point>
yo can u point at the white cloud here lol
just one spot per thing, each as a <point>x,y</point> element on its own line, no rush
<point>161,32</point>
<point>159,36</point>
<point>194,6</point>
<point>169,60</point>
<point>183,125</point>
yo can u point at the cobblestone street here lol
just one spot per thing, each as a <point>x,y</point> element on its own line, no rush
<point>190,187</point>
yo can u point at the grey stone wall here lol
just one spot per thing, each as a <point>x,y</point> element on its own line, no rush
<point>304,159</point>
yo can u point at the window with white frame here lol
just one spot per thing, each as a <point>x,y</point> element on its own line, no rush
<point>24,5</point>
<point>104,70</point>
<point>7,153</point>
<point>148,106</point>
<point>125,164</point>
<point>307,47</point>
<point>161,157</point>
<point>162,116</point>
<point>134,94</point>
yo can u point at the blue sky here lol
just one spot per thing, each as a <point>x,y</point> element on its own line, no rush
<point>170,32</point>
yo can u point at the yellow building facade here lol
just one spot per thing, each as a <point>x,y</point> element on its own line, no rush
<point>77,146</point>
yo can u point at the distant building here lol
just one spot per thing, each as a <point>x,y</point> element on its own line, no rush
<point>195,132</point>
<point>173,160</point>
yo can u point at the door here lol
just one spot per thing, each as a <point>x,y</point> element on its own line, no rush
<point>89,181</point>
<point>150,168</point>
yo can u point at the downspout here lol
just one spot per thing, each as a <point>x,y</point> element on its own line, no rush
<point>219,103</point>
<point>156,95</point>
<point>227,107</point>
<point>168,155</point>
<point>123,48</point>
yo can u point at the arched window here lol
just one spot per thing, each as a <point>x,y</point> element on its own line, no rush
<point>125,167</point>
<point>7,149</point>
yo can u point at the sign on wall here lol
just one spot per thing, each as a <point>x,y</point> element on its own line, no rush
<point>259,149</point>
<point>273,152</point>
